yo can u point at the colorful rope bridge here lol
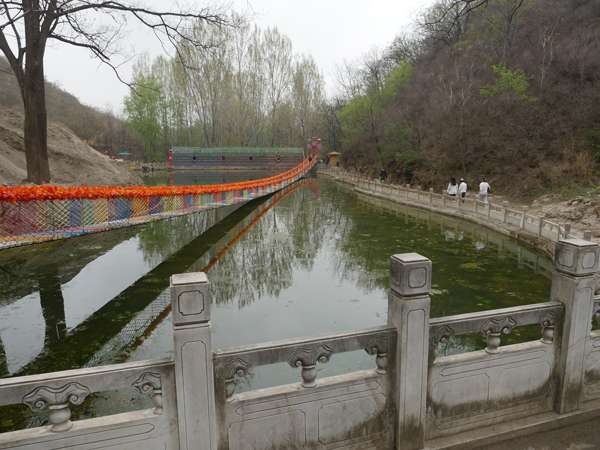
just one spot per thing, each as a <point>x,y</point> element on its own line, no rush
<point>33,214</point>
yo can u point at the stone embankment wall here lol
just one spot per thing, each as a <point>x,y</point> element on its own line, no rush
<point>533,230</point>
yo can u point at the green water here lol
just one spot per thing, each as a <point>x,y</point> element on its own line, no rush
<point>317,261</point>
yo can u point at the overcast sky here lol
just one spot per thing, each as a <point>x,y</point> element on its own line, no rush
<point>329,30</point>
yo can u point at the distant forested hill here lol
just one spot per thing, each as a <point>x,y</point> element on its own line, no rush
<point>102,130</point>
<point>509,90</point>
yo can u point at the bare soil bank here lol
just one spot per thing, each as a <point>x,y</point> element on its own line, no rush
<point>72,162</point>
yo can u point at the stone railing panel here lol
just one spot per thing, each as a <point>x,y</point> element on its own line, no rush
<point>302,353</point>
<point>343,410</point>
<point>347,411</point>
<point>477,389</point>
<point>149,429</point>
<point>493,323</point>
<point>481,388</point>
<point>591,382</point>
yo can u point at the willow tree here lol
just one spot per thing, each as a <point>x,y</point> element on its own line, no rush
<point>27,26</point>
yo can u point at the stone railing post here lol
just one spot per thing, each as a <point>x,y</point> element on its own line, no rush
<point>573,284</point>
<point>504,211</point>
<point>443,197</point>
<point>194,376</point>
<point>524,217</point>
<point>540,225</point>
<point>408,312</point>
<point>430,195</point>
<point>567,230</point>
<point>587,235</point>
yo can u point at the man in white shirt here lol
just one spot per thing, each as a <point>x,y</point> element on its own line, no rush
<point>462,189</point>
<point>484,188</point>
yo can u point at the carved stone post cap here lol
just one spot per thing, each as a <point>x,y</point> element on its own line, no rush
<point>188,278</point>
<point>190,298</point>
<point>576,257</point>
<point>410,274</point>
<point>505,204</point>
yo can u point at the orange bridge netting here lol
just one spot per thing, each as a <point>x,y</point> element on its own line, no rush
<point>32,214</point>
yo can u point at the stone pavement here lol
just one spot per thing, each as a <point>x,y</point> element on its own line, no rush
<point>582,436</point>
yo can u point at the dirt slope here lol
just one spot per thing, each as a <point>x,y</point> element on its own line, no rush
<point>72,162</point>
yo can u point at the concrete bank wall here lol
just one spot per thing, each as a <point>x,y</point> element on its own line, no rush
<point>501,219</point>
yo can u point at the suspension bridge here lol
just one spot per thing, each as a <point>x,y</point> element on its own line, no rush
<point>34,214</point>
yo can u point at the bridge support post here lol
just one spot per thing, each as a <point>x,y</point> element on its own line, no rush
<point>408,312</point>
<point>194,376</point>
<point>573,284</point>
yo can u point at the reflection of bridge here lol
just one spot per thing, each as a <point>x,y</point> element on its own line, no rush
<point>120,317</point>
<point>32,214</point>
<point>116,347</point>
<point>120,345</point>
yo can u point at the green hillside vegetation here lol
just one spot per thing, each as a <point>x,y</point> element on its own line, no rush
<point>509,91</point>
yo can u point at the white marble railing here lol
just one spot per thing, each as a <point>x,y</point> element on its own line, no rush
<point>410,398</point>
<point>537,225</point>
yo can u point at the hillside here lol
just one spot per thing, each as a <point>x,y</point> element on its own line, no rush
<point>101,129</point>
<point>72,162</point>
<point>508,91</point>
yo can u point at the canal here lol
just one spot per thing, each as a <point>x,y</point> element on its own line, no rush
<point>312,259</point>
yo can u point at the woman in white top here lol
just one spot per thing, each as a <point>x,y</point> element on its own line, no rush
<point>484,188</point>
<point>452,188</point>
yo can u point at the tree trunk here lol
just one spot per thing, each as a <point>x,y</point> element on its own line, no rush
<point>35,130</point>
<point>33,92</point>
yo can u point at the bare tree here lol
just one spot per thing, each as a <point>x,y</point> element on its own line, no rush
<point>27,26</point>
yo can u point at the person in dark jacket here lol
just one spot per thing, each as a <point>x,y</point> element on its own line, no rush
<point>382,175</point>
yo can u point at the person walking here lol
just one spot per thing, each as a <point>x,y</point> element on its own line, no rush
<point>382,175</point>
<point>452,188</point>
<point>462,189</point>
<point>484,188</point>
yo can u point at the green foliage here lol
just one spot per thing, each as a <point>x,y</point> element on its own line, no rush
<point>508,82</point>
<point>363,116</point>
<point>143,108</point>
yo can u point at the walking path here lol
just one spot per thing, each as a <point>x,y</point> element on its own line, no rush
<point>584,435</point>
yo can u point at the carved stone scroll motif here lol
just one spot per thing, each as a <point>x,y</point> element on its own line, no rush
<point>547,324</point>
<point>378,347</point>
<point>596,310</point>
<point>307,358</point>
<point>492,329</point>
<point>440,334</point>
<point>58,400</point>
<point>230,369</point>
<point>152,381</point>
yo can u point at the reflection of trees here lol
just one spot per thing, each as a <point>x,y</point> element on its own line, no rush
<point>164,237</point>
<point>3,364</point>
<point>53,305</point>
<point>468,277</point>
<point>68,256</point>
<point>262,264</point>
<point>88,337</point>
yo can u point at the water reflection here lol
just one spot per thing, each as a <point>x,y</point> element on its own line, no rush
<point>313,261</point>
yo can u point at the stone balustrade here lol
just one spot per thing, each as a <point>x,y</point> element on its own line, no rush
<point>491,324</point>
<point>411,398</point>
<point>502,213</point>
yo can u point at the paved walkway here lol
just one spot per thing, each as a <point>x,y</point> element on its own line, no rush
<point>583,436</point>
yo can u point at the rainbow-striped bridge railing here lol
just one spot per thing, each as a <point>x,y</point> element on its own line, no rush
<point>32,214</point>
